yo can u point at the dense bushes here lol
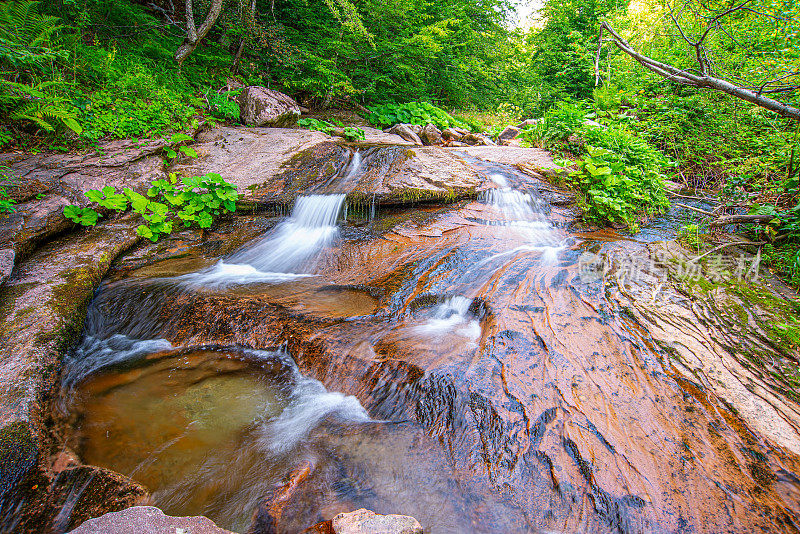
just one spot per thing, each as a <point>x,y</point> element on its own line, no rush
<point>420,113</point>
<point>619,175</point>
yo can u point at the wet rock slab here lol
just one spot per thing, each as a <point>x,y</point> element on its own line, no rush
<point>43,304</point>
<point>570,397</point>
<point>147,520</point>
<point>274,165</point>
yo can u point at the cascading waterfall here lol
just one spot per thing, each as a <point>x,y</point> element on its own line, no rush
<point>452,316</point>
<point>521,212</point>
<point>284,254</point>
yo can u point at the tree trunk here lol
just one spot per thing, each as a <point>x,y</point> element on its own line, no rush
<point>249,23</point>
<point>195,35</point>
<point>238,57</point>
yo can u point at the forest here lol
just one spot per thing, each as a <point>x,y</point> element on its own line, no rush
<point>77,71</point>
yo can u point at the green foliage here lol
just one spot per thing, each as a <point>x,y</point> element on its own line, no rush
<point>28,41</point>
<point>420,113</point>
<point>195,200</point>
<point>6,202</point>
<point>616,191</point>
<point>224,106</point>
<point>691,236</point>
<point>350,133</point>
<point>82,216</point>
<point>556,125</point>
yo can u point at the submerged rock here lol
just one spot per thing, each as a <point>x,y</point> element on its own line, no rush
<point>367,522</point>
<point>265,107</point>
<point>147,520</point>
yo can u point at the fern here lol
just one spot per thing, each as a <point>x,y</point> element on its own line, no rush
<point>38,105</point>
<point>28,40</point>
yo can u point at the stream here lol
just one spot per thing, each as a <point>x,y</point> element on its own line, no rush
<point>453,363</point>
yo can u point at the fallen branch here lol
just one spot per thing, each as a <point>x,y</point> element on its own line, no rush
<point>698,210</point>
<point>733,243</point>
<point>704,199</point>
<point>740,219</point>
<point>688,76</point>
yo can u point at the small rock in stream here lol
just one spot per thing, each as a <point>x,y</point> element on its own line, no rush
<point>364,521</point>
<point>148,520</point>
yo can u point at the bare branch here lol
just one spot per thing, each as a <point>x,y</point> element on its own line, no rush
<point>704,80</point>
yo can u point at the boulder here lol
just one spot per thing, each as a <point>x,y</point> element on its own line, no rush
<point>264,107</point>
<point>431,135</point>
<point>416,128</point>
<point>511,132</point>
<point>528,123</point>
<point>474,139</point>
<point>147,520</point>
<point>406,133</point>
<point>456,144</point>
<point>451,134</point>
<point>364,521</point>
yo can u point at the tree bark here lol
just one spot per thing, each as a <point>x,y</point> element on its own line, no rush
<point>193,34</point>
<point>686,77</point>
<point>249,23</point>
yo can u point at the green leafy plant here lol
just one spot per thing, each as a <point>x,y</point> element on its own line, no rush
<point>82,216</point>
<point>224,105</point>
<point>691,236</point>
<point>192,200</point>
<point>351,133</point>
<point>43,104</point>
<point>5,138</point>
<point>420,113</point>
<point>556,125</point>
<point>175,146</point>
<point>615,191</point>
<point>6,202</point>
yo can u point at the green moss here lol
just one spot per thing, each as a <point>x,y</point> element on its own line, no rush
<point>8,307</point>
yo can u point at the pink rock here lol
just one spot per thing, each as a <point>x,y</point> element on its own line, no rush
<point>264,107</point>
<point>364,521</point>
<point>147,520</point>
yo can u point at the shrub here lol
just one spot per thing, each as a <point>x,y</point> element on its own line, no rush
<point>615,191</point>
<point>556,125</point>
<point>420,113</point>
<point>350,133</point>
<point>224,106</point>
